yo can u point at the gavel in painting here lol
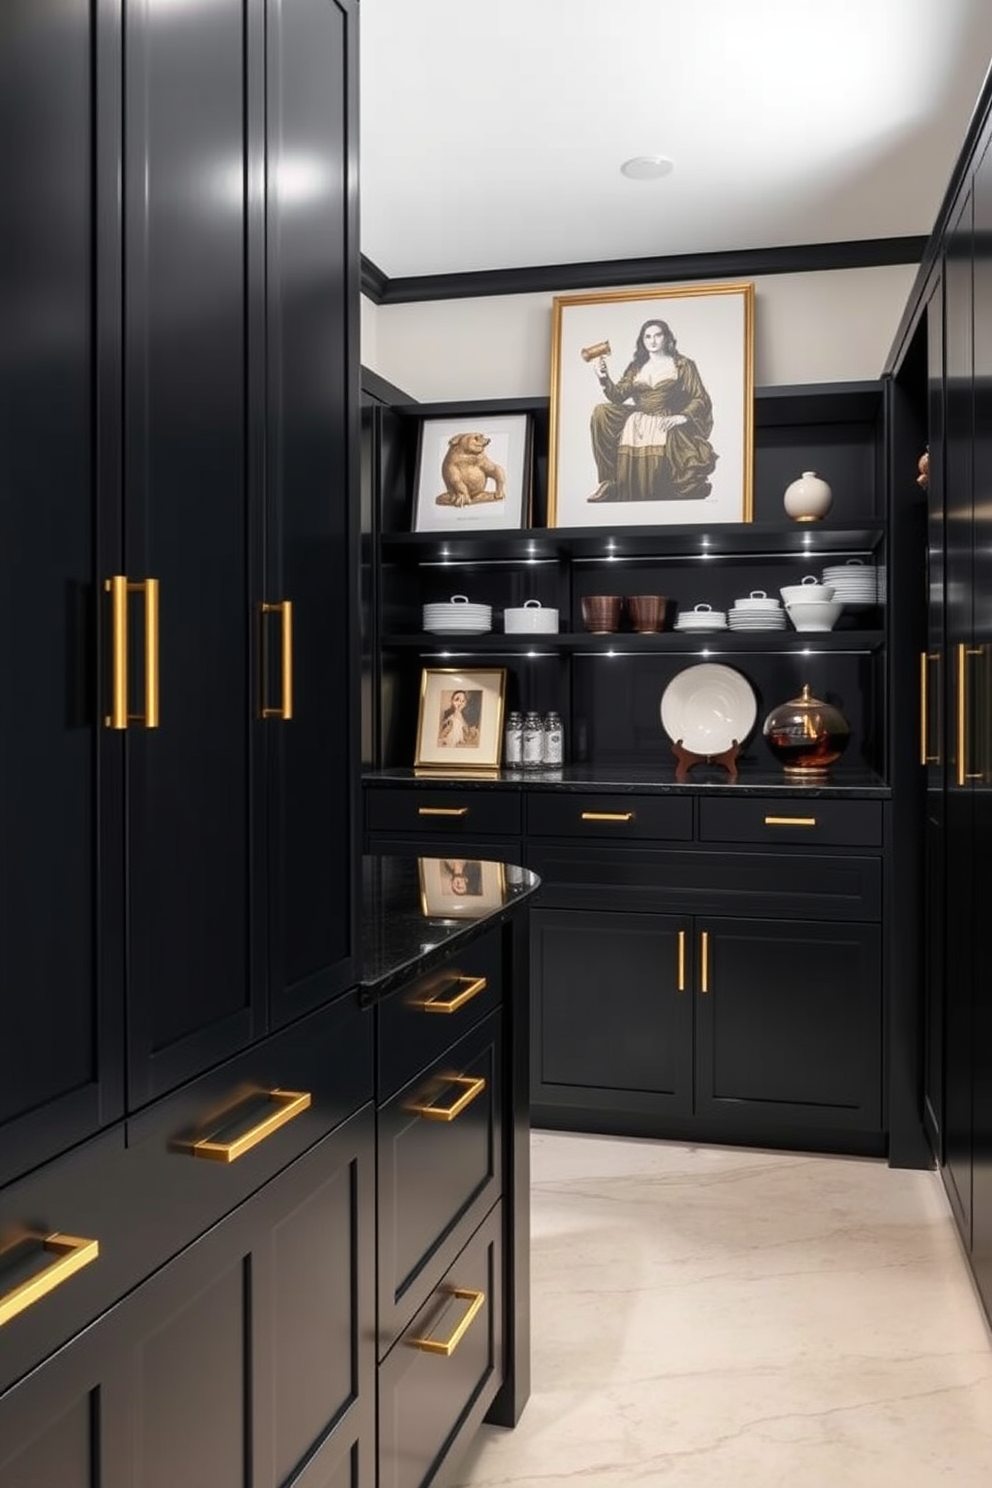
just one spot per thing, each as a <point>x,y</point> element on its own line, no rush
<point>593,353</point>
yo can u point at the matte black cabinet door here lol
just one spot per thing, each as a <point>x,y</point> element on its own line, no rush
<point>60,1072</point>
<point>247,1362</point>
<point>190,225</point>
<point>612,1011</point>
<point>311,537</point>
<point>789,1023</point>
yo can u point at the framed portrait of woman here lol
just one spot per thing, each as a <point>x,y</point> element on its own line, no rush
<point>652,407</point>
<point>460,888</point>
<point>460,725</point>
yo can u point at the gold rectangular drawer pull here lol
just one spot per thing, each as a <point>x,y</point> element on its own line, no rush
<point>442,811</point>
<point>790,821</point>
<point>608,816</point>
<point>71,1254</point>
<point>288,1104</point>
<point>471,1088</point>
<point>704,961</point>
<point>446,1346</point>
<point>681,983</point>
<point>435,1002</point>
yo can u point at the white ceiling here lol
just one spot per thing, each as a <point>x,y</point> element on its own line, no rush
<point>492,131</point>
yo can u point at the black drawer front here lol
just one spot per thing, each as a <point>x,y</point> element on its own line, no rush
<point>142,1194</point>
<point>444,812</point>
<point>615,817</point>
<point>436,1177</point>
<point>798,823</point>
<point>797,885</point>
<point>417,1023</point>
<point>431,1403</point>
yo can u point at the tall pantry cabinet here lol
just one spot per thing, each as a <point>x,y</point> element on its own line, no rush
<point>178,887</point>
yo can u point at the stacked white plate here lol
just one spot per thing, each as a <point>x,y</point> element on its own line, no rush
<point>703,617</point>
<point>756,612</point>
<point>854,583</point>
<point>458,616</point>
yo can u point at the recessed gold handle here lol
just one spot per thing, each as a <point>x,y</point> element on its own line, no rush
<point>924,709</point>
<point>119,588</point>
<point>447,1346</point>
<point>623,816</point>
<point>71,1254</point>
<point>963,775</point>
<point>704,961</point>
<point>288,1104</point>
<point>284,711</point>
<point>472,1088</point>
<point>442,811</point>
<point>434,1002</point>
<point>681,954</point>
<point>790,821</point>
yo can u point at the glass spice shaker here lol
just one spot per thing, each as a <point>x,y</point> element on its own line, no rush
<point>513,739</point>
<point>554,743</point>
<point>532,752</point>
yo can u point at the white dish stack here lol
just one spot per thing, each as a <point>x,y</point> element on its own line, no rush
<point>702,618</point>
<point>756,612</point>
<point>458,616</point>
<point>855,584</point>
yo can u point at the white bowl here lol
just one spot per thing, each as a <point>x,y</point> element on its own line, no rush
<point>815,616</point>
<point>810,590</point>
<point>530,618</point>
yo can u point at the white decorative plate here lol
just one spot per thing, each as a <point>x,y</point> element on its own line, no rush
<point>708,707</point>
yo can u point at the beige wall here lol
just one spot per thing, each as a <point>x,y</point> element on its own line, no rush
<point>823,327</point>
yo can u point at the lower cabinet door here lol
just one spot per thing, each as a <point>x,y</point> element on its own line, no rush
<point>788,1024</point>
<point>612,1012</point>
<point>247,1362</point>
<point>439,1378</point>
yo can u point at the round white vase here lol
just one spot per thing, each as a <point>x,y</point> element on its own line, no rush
<point>809,498</point>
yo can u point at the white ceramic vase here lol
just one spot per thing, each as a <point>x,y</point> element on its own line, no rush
<point>809,498</point>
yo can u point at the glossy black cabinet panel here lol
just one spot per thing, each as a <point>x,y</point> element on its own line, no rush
<point>612,1011</point>
<point>959,970</point>
<point>979,707</point>
<point>60,1074</point>
<point>193,980</point>
<point>789,1023</point>
<point>311,536</point>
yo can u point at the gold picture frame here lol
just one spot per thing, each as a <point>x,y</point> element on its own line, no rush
<point>643,433</point>
<point>460,888</point>
<point>460,722</point>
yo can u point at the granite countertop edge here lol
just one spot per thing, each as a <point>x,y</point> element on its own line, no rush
<point>706,781</point>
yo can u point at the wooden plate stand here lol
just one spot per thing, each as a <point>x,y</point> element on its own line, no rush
<point>727,758</point>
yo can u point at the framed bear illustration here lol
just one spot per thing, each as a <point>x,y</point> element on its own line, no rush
<point>473,474</point>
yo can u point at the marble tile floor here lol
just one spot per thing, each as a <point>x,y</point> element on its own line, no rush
<point>708,1317</point>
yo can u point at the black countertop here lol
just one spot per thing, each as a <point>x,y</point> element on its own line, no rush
<point>402,940</point>
<point>845,784</point>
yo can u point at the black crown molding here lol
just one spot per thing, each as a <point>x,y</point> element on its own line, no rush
<point>803,258</point>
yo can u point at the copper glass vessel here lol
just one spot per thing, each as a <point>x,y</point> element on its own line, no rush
<point>806,735</point>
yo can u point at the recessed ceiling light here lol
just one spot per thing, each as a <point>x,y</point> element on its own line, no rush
<point>646,167</point>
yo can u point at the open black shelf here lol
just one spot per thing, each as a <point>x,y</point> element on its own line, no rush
<point>623,643</point>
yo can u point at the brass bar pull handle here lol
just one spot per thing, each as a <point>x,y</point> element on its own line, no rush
<point>71,1253</point>
<point>681,955</point>
<point>442,811</point>
<point>963,774</point>
<point>150,588</point>
<point>472,1088</point>
<point>469,987</point>
<point>116,587</point>
<point>924,710</point>
<point>447,1346</point>
<point>704,961</point>
<point>284,711</point>
<point>623,816</point>
<point>287,1103</point>
<point>790,821</point>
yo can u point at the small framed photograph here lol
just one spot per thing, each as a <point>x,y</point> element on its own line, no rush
<point>473,473</point>
<point>461,718</point>
<point>460,888</point>
<point>652,407</point>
